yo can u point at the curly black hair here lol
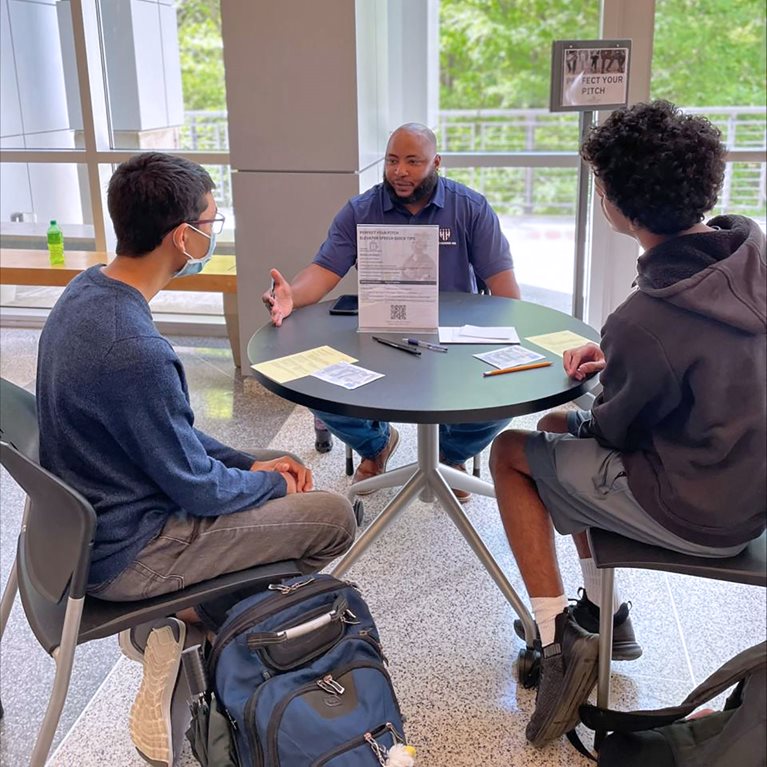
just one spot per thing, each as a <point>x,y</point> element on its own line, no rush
<point>661,168</point>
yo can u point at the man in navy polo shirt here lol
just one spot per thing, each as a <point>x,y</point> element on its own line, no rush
<point>471,246</point>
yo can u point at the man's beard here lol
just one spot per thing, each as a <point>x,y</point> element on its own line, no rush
<point>423,191</point>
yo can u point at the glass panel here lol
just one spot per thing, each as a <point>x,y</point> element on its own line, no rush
<point>495,62</point>
<point>29,297</point>
<point>187,302</point>
<point>743,191</point>
<point>726,84</point>
<point>222,178</point>
<point>165,74</point>
<point>40,95</point>
<point>536,208</point>
<point>699,61</point>
<point>32,194</point>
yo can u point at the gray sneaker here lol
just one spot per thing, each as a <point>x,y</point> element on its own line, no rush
<point>568,674</point>
<point>586,614</point>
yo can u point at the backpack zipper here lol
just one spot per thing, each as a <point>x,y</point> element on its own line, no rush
<point>264,610</point>
<point>350,744</point>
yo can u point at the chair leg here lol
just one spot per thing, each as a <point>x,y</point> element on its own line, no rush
<point>64,656</point>
<point>9,595</point>
<point>476,465</point>
<point>349,461</point>
<point>605,637</point>
<point>12,584</point>
<point>605,647</point>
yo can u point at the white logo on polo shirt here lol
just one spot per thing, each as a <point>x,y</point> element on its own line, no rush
<point>445,236</point>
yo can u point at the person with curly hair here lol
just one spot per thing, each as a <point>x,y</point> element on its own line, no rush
<point>673,452</point>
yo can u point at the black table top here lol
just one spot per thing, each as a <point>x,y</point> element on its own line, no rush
<point>435,387</point>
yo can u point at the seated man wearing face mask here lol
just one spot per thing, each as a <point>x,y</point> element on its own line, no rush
<point>174,506</point>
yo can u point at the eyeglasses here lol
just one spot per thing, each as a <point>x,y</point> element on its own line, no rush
<point>216,224</point>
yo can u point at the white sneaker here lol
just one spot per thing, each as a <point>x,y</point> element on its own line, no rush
<point>150,714</point>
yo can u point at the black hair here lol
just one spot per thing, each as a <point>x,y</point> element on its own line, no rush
<point>661,168</point>
<point>152,193</point>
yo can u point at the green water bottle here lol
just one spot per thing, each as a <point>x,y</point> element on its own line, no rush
<point>55,244</point>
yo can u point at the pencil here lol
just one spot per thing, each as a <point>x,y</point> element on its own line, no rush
<point>501,371</point>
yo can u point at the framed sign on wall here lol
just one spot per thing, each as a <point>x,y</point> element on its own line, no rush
<point>588,75</point>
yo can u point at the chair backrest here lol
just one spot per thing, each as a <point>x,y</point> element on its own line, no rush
<point>54,550</point>
<point>18,419</point>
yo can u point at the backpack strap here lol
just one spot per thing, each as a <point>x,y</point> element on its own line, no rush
<point>735,669</point>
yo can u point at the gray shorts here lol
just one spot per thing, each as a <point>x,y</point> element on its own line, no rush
<point>583,484</point>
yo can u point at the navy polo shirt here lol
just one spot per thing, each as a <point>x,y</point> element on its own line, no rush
<point>470,237</point>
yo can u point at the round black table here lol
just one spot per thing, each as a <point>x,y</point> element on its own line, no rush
<point>427,390</point>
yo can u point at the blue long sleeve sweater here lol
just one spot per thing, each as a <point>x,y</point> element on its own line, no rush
<point>116,424</point>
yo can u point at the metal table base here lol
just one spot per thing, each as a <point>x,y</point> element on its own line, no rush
<point>428,479</point>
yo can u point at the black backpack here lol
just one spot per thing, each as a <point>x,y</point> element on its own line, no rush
<point>734,737</point>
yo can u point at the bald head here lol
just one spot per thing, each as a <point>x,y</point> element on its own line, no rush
<point>424,135</point>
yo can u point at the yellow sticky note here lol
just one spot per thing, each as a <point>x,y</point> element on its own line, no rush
<point>559,342</point>
<point>302,364</point>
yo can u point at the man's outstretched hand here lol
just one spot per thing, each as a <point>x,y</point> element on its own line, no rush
<point>298,477</point>
<point>583,361</point>
<point>278,300</point>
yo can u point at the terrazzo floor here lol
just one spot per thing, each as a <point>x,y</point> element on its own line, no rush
<point>446,629</point>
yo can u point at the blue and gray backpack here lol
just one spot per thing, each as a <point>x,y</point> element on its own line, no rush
<point>300,671</point>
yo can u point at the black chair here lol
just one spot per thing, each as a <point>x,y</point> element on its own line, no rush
<point>611,551</point>
<point>18,427</point>
<point>52,563</point>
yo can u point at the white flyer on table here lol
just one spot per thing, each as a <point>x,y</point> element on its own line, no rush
<point>398,278</point>
<point>509,357</point>
<point>449,334</point>
<point>347,375</point>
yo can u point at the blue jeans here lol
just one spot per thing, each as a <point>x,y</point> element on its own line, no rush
<point>457,441</point>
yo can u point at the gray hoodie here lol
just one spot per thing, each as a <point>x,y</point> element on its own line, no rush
<point>685,385</point>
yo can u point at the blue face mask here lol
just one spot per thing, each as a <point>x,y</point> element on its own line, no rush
<point>195,265</point>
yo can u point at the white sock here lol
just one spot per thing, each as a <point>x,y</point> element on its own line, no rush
<point>545,611</point>
<point>592,582</point>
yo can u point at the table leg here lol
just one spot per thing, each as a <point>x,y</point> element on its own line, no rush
<point>232,320</point>
<point>378,525</point>
<point>428,479</point>
<point>458,517</point>
<point>394,478</point>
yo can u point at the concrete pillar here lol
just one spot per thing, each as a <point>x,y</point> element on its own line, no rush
<point>310,89</point>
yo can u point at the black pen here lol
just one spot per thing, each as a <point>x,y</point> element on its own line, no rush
<point>401,347</point>
<point>425,344</point>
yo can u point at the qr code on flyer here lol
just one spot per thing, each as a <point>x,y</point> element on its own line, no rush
<point>398,311</point>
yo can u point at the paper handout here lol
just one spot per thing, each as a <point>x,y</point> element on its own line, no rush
<point>302,364</point>
<point>347,375</point>
<point>398,277</point>
<point>509,357</point>
<point>559,342</point>
<point>474,334</point>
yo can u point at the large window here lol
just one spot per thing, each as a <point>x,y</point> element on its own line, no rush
<point>155,82</point>
<point>494,95</point>
<point>497,135</point>
<point>723,77</point>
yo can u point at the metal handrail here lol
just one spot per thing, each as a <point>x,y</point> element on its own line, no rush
<point>538,187</point>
